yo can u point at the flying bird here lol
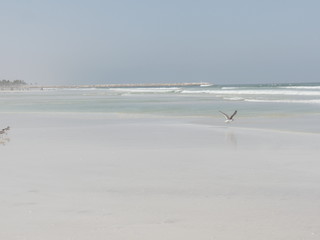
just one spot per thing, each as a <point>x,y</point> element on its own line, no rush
<point>229,118</point>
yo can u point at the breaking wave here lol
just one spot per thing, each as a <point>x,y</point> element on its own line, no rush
<point>311,101</point>
<point>254,92</point>
<point>146,90</point>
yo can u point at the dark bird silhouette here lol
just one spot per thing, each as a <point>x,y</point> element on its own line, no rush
<point>229,118</point>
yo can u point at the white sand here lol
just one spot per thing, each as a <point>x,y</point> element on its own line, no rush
<point>97,177</point>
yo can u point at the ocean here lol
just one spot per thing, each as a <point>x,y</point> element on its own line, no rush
<point>263,100</point>
<point>161,163</point>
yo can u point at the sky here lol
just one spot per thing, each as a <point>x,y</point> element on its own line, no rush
<point>166,41</point>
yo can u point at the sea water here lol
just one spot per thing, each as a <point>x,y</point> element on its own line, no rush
<point>250,100</point>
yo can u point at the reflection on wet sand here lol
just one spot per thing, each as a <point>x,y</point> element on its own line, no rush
<point>231,139</point>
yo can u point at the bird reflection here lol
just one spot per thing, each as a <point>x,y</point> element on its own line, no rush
<point>231,139</point>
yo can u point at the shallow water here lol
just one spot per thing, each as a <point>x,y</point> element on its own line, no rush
<point>157,164</point>
<point>249,100</point>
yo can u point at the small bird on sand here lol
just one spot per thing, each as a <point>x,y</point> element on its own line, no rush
<point>4,130</point>
<point>229,118</point>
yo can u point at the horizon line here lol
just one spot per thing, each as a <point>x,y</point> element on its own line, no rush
<point>122,85</point>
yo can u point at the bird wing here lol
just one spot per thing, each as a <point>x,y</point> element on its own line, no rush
<point>225,115</point>
<point>235,112</point>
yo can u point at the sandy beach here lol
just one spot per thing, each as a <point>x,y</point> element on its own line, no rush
<point>113,120</point>
<point>112,176</point>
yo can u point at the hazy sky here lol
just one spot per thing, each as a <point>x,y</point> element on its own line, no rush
<point>148,41</point>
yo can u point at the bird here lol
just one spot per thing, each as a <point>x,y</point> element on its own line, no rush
<point>229,118</point>
<point>4,130</point>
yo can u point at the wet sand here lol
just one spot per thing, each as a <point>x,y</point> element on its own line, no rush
<point>102,176</point>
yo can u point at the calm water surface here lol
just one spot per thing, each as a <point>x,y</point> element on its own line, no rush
<point>250,100</point>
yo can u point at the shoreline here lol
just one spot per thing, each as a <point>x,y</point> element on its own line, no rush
<point>306,124</point>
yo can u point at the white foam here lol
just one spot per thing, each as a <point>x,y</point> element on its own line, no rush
<point>147,90</point>
<point>49,89</point>
<point>254,92</point>
<point>302,87</point>
<point>312,101</point>
<point>227,88</point>
<point>234,98</point>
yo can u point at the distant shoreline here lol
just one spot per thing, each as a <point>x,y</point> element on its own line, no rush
<point>122,85</point>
